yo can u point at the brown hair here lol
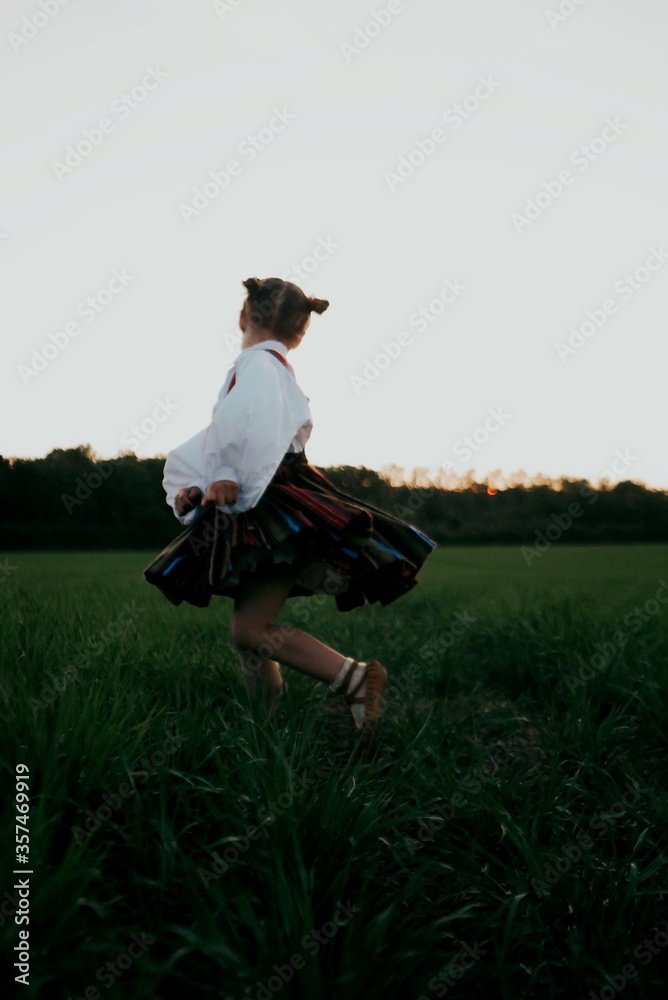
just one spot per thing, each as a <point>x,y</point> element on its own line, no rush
<point>280,306</point>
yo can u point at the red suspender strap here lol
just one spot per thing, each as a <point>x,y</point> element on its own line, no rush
<point>276,354</point>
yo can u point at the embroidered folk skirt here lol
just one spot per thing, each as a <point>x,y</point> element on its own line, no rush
<point>346,548</point>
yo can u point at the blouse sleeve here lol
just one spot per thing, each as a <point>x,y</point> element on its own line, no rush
<point>251,430</point>
<point>183,469</point>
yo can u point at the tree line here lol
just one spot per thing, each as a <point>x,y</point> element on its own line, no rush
<point>71,499</point>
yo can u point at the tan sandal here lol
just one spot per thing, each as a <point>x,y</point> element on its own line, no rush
<point>373,700</point>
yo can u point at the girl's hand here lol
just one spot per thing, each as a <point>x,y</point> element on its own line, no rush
<point>186,499</point>
<point>223,491</point>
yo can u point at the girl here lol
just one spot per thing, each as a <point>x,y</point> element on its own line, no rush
<point>264,525</point>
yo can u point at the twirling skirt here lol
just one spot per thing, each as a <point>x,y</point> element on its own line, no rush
<point>346,548</point>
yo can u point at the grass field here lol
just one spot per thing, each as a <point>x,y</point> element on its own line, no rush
<point>505,838</point>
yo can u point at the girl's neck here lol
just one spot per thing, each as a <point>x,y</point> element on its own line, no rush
<point>255,335</point>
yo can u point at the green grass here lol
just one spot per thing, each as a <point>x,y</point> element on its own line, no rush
<point>511,809</point>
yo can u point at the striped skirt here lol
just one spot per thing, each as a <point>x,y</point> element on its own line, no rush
<point>346,548</point>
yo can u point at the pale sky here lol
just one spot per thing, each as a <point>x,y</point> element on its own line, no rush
<point>310,112</point>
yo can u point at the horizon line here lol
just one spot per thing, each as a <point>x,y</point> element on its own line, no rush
<point>421,477</point>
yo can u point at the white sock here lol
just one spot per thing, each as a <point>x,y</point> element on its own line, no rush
<point>358,673</point>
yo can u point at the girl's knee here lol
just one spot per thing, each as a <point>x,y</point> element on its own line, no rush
<point>247,635</point>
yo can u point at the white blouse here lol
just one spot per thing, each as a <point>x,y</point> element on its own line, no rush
<point>253,425</point>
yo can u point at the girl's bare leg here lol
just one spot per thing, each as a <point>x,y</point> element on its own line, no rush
<point>259,638</point>
<point>261,675</point>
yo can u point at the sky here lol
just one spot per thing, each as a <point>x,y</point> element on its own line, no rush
<point>478,187</point>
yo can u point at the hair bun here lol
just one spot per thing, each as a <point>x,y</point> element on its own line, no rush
<point>252,285</point>
<point>318,305</point>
